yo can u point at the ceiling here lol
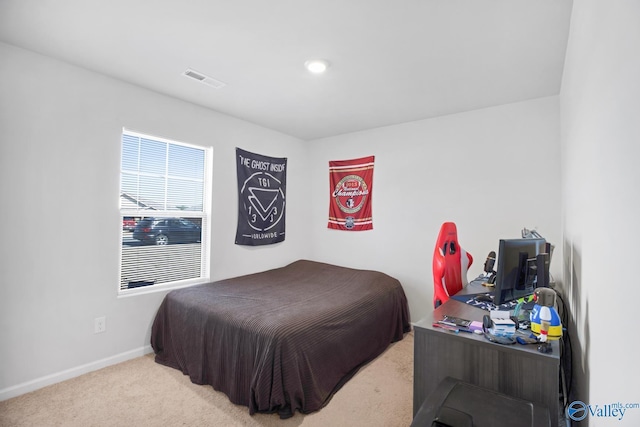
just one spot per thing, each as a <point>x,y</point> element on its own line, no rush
<point>390,61</point>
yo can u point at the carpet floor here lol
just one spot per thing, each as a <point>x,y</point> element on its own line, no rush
<point>140,392</point>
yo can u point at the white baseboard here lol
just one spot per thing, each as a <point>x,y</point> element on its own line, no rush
<point>32,385</point>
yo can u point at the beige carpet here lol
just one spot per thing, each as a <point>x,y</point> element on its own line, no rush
<point>141,392</point>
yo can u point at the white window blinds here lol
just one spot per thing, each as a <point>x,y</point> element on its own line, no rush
<point>164,210</point>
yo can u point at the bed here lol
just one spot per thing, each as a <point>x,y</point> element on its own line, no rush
<point>284,339</point>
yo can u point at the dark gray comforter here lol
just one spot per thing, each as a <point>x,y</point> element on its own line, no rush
<point>284,339</point>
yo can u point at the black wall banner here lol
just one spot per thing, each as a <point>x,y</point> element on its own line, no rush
<point>261,198</point>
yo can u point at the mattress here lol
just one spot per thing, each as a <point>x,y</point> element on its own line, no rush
<point>281,340</point>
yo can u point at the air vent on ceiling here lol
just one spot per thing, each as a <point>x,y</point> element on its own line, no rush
<point>202,78</point>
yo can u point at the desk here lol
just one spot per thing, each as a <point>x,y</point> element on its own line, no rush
<point>515,370</point>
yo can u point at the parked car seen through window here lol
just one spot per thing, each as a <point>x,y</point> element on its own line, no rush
<point>164,231</point>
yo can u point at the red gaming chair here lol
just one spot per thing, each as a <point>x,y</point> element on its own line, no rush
<point>450,264</point>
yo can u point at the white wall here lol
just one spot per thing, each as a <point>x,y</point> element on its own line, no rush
<point>60,130</point>
<point>600,116</point>
<point>492,171</point>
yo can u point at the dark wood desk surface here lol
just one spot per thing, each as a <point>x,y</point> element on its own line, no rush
<point>465,311</point>
<point>515,370</point>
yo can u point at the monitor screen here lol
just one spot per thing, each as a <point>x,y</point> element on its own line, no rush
<point>517,268</point>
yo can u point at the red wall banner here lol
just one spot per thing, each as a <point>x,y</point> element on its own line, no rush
<point>350,186</point>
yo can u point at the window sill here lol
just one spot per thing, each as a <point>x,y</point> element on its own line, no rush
<point>125,293</point>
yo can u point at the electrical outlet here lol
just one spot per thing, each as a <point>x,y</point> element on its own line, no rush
<point>99,324</point>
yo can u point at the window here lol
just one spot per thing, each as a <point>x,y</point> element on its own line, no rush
<point>164,207</point>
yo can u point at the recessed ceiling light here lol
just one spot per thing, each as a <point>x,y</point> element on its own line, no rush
<point>317,66</point>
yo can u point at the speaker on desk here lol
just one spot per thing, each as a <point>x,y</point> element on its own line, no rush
<point>542,270</point>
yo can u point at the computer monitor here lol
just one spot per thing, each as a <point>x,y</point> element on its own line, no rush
<point>517,273</point>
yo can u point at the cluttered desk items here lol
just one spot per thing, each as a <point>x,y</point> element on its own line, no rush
<point>534,322</point>
<point>485,301</point>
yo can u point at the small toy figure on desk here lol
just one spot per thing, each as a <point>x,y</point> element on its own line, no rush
<point>545,321</point>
